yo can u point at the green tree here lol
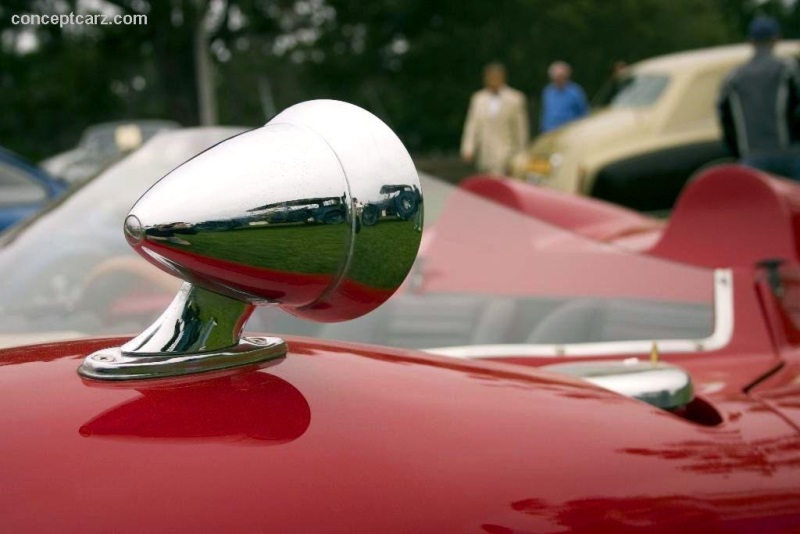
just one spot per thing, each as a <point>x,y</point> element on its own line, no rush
<point>412,62</point>
<point>415,62</point>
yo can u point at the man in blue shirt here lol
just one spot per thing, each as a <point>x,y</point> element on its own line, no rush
<point>563,101</point>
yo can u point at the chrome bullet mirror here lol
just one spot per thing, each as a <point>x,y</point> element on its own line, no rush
<point>318,212</point>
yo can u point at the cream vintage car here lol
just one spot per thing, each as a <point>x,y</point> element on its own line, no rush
<point>653,128</point>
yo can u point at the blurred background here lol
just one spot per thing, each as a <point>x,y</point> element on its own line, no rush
<point>414,63</point>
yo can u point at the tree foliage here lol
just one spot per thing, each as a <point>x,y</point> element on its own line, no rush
<point>412,62</point>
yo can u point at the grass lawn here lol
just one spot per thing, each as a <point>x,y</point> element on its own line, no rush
<point>378,261</point>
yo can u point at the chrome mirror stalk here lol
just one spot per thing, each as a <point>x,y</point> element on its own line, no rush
<point>198,320</point>
<point>199,331</point>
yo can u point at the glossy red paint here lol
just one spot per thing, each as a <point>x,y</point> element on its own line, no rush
<point>728,215</point>
<point>542,259</point>
<point>781,305</point>
<point>733,216</point>
<point>526,256</point>
<point>590,218</point>
<point>757,350</point>
<point>340,438</point>
<point>297,292</point>
<point>344,438</point>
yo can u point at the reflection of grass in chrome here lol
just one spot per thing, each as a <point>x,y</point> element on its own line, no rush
<point>313,249</point>
<point>380,251</point>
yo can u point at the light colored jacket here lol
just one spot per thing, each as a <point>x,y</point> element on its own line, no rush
<point>494,136</point>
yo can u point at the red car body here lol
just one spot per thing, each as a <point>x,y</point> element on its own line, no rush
<point>342,437</point>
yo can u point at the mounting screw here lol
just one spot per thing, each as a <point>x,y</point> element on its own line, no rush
<point>103,358</point>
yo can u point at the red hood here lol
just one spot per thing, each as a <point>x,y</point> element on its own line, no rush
<point>482,246</point>
<point>726,216</point>
<point>338,437</point>
<point>595,219</point>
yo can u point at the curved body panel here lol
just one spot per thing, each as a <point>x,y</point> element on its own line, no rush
<point>340,438</point>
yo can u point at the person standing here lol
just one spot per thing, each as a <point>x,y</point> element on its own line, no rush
<point>496,128</point>
<point>563,100</point>
<point>758,106</point>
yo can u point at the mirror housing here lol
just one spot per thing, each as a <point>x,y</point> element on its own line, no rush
<point>318,212</point>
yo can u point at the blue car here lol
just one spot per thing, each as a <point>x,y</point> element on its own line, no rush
<point>24,188</point>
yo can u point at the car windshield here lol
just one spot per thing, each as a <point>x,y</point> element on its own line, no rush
<point>632,91</point>
<point>105,139</point>
<point>486,274</point>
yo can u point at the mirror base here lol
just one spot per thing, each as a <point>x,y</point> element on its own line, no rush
<point>114,364</point>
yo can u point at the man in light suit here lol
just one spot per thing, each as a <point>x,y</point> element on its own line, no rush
<point>496,128</point>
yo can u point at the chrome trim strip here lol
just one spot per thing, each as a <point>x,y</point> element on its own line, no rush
<point>660,384</point>
<point>720,337</point>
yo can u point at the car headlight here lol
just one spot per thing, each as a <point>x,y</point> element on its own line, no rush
<point>540,167</point>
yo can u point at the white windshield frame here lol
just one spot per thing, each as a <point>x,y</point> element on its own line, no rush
<point>719,338</point>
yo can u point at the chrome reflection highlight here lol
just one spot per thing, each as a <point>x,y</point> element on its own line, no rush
<point>196,321</point>
<point>115,364</point>
<point>318,212</point>
<point>662,385</point>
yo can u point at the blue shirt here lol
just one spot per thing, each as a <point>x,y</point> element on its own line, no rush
<point>561,105</point>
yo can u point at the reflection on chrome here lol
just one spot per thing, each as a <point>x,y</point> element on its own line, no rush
<point>318,212</point>
<point>399,201</point>
<point>660,384</point>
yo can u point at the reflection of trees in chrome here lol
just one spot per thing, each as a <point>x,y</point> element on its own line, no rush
<point>325,210</point>
<point>713,457</point>
<point>401,202</point>
<point>754,511</point>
